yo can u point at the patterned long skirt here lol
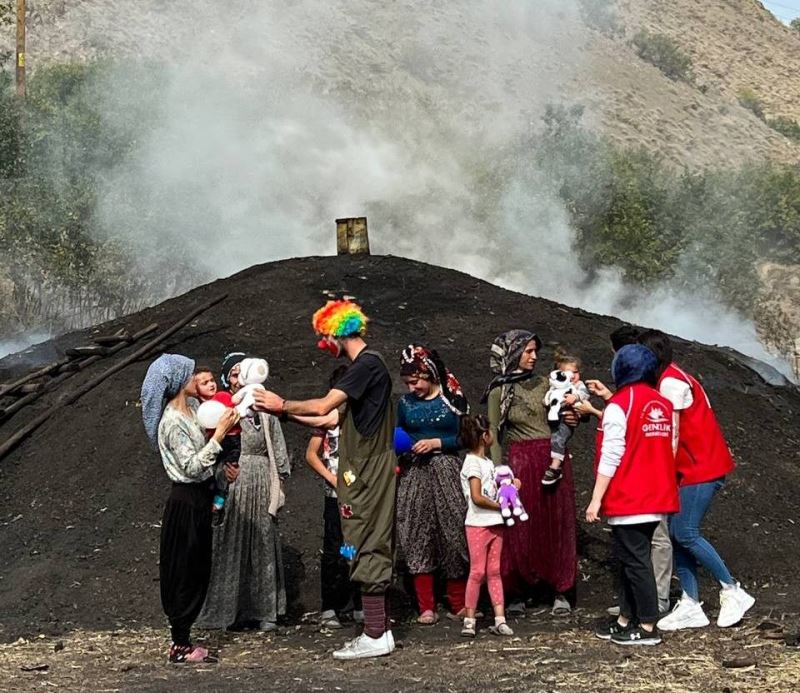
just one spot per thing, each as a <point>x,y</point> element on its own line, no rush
<point>430,516</point>
<point>543,549</point>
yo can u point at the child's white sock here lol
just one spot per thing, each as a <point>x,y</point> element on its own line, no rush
<point>499,619</point>
<point>469,622</point>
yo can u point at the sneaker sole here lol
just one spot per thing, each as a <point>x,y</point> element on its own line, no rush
<point>363,655</point>
<point>683,626</point>
<point>637,643</point>
<point>602,637</point>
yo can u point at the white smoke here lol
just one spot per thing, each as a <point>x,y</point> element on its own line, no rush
<point>271,119</point>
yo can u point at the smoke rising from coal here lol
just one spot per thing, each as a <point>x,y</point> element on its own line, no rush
<point>270,120</point>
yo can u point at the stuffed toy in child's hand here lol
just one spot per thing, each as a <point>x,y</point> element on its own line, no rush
<point>252,374</point>
<point>560,387</point>
<point>508,495</point>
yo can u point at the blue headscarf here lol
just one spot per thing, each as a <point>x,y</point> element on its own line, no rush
<point>165,378</point>
<point>634,363</point>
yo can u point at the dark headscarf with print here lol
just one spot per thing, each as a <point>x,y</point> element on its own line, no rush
<point>419,360</point>
<point>505,355</point>
<point>232,359</point>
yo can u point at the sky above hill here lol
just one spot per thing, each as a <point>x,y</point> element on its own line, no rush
<point>785,10</point>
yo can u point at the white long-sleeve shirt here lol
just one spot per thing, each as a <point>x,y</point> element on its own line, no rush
<point>615,426</point>
<point>186,455</point>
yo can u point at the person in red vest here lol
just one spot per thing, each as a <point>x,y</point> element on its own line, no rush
<point>635,489</point>
<point>703,461</point>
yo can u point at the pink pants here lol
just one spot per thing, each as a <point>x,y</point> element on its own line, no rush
<point>485,547</point>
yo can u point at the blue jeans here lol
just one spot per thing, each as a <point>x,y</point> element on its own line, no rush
<point>691,547</point>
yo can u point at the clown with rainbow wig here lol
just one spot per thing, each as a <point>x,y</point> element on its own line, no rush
<point>360,403</point>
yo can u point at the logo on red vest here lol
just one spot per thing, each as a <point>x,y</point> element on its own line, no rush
<point>655,424</point>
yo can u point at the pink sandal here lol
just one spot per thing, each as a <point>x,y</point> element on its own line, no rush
<point>180,654</point>
<point>428,618</point>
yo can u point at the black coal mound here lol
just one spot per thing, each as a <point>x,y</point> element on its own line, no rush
<point>82,498</point>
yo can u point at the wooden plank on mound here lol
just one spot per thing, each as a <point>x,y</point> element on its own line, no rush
<point>71,397</point>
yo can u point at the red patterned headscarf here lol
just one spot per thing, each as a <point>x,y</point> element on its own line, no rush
<point>419,360</point>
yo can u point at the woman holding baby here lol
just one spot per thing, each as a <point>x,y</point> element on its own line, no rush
<point>541,551</point>
<point>247,582</point>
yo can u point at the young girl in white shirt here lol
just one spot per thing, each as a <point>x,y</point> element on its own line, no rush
<point>484,525</point>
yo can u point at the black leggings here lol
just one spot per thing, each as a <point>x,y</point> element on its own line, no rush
<point>185,556</point>
<point>638,594</point>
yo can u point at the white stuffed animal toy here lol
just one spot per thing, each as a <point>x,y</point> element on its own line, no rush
<point>561,385</point>
<point>252,375</point>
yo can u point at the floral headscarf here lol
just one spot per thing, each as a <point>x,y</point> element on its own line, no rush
<point>419,360</point>
<point>506,352</point>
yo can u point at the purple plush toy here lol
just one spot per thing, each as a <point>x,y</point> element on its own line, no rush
<point>508,496</point>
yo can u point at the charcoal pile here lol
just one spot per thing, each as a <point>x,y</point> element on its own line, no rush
<point>82,495</point>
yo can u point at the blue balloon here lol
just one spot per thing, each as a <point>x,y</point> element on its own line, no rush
<point>402,442</point>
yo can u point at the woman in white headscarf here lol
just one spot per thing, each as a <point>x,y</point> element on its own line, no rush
<point>185,553</point>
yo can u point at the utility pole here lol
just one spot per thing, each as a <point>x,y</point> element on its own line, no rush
<point>21,48</point>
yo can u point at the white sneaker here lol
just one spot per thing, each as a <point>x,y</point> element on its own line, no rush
<point>687,613</point>
<point>329,619</point>
<point>734,602</point>
<point>364,646</point>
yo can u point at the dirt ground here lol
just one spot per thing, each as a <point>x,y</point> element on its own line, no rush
<point>81,503</point>
<point>542,656</point>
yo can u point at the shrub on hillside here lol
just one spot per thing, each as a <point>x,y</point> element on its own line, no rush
<point>786,126</point>
<point>662,52</point>
<point>795,24</point>
<point>601,15</point>
<point>749,100</point>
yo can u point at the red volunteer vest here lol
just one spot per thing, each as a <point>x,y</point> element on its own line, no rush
<point>645,480</point>
<point>703,454</point>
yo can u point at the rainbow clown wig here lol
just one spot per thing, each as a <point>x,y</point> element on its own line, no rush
<point>340,319</point>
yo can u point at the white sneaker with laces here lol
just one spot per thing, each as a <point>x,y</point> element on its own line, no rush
<point>734,603</point>
<point>687,613</point>
<point>364,646</point>
<point>329,619</point>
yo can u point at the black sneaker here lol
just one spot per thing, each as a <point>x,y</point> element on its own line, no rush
<point>610,629</point>
<point>637,636</point>
<point>551,476</point>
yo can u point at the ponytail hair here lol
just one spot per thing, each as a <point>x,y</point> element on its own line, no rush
<point>472,429</point>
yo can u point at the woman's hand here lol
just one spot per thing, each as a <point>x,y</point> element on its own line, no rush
<point>268,401</point>
<point>227,421</point>
<point>597,388</point>
<point>231,472</point>
<point>570,399</point>
<point>423,447</point>
<point>517,483</point>
<point>570,417</point>
<point>330,477</point>
<point>593,512</point>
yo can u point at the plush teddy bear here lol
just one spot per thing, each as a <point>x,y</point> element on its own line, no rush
<point>561,385</point>
<point>508,496</point>
<point>252,374</point>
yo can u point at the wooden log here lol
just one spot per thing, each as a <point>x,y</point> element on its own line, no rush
<point>46,370</point>
<point>71,397</point>
<point>112,339</point>
<point>74,367</point>
<point>84,351</point>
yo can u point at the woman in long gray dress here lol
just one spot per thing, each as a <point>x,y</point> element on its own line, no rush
<point>247,581</point>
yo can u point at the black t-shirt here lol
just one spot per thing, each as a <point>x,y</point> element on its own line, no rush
<point>368,387</point>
